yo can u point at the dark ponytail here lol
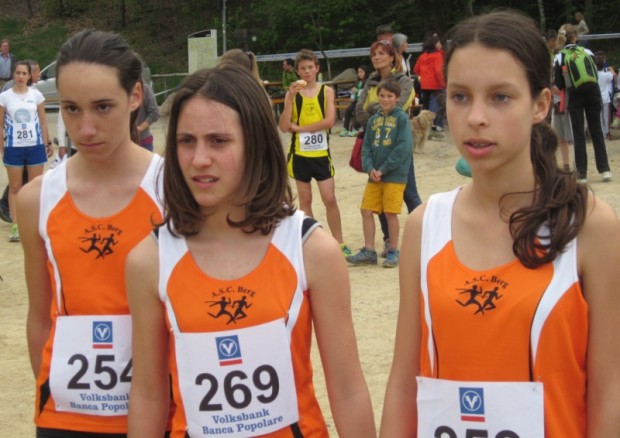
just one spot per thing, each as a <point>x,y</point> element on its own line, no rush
<point>559,204</point>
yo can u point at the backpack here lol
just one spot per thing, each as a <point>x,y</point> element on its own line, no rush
<point>580,67</point>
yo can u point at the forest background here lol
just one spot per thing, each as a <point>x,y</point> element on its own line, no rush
<point>158,29</point>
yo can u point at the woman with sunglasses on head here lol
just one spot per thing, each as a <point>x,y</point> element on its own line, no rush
<point>386,61</point>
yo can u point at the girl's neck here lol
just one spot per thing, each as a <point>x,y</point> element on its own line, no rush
<point>20,89</point>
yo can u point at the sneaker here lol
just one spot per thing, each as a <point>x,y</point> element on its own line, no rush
<point>346,251</point>
<point>353,133</point>
<point>582,181</point>
<point>343,133</point>
<point>14,237</point>
<point>606,176</point>
<point>5,215</point>
<point>363,257</point>
<point>386,246</point>
<point>434,135</point>
<point>437,128</point>
<point>392,258</point>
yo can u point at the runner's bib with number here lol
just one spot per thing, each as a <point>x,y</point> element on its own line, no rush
<point>25,134</point>
<point>91,364</point>
<point>237,383</point>
<point>313,141</point>
<point>451,409</point>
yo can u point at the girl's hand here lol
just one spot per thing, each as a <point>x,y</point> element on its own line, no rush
<point>49,149</point>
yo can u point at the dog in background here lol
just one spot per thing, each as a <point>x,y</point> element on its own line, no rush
<point>420,128</point>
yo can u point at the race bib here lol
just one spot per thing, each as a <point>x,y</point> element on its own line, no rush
<point>91,364</point>
<point>451,409</point>
<point>24,134</point>
<point>237,383</point>
<point>313,141</point>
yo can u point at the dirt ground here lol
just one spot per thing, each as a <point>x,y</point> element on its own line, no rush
<point>374,290</point>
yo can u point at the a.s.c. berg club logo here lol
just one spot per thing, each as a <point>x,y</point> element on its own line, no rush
<point>103,336</point>
<point>100,239</point>
<point>237,308</point>
<point>471,402</point>
<point>482,293</point>
<point>228,350</point>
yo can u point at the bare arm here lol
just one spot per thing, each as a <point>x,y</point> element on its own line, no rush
<point>328,282</point>
<point>599,262</point>
<point>44,129</point>
<point>2,111</point>
<point>150,388</point>
<point>285,118</point>
<point>399,409</point>
<point>38,322</point>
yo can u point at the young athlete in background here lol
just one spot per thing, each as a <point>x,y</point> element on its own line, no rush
<point>24,138</point>
<point>235,281</point>
<point>78,223</point>
<point>509,304</point>
<point>309,113</point>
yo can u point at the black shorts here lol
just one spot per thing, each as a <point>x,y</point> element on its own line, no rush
<point>304,168</point>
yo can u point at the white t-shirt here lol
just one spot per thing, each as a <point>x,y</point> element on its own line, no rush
<point>22,127</point>
<point>605,82</point>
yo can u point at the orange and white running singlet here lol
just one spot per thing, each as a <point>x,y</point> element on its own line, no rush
<point>505,324</point>
<point>240,356</point>
<point>83,383</point>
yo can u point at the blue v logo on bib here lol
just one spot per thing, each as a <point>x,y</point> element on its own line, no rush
<point>472,404</point>
<point>228,350</point>
<point>102,334</point>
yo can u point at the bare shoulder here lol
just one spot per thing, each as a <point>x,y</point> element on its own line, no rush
<point>598,248</point>
<point>143,260</point>
<point>601,222</point>
<point>30,194</point>
<point>320,245</point>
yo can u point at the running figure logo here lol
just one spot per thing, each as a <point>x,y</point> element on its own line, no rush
<point>237,308</point>
<point>481,299</point>
<point>101,240</point>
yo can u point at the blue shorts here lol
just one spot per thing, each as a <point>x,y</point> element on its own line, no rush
<point>25,156</point>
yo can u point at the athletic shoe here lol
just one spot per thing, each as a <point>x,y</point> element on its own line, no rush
<point>14,237</point>
<point>606,176</point>
<point>5,215</point>
<point>582,181</point>
<point>392,258</point>
<point>437,128</point>
<point>363,257</point>
<point>434,135</point>
<point>353,133</point>
<point>346,251</point>
<point>386,246</point>
<point>343,133</point>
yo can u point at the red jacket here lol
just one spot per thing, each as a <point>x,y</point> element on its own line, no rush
<point>429,67</point>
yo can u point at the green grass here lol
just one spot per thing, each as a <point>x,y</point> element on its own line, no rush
<point>40,43</point>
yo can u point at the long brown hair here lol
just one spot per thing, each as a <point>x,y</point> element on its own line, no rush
<point>559,202</point>
<point>265,187</point>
